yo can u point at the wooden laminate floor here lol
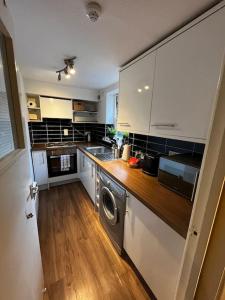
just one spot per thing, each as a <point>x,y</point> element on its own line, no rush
<point>78,259</point>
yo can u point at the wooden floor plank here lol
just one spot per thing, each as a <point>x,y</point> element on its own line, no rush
<point>79,260</point>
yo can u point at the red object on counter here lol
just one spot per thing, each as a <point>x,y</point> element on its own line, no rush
<point>134,162</point>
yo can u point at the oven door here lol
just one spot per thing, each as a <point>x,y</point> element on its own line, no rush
<point>109,206</point>
<point>55,167</point>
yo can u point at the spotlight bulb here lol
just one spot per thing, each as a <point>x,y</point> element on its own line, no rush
<point>72,71</point>
<point>67,76</point>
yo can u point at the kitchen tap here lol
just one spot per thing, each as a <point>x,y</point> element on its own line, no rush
<point>88,134</point>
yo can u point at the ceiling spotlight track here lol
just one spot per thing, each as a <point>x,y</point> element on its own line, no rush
<point>68,69</point>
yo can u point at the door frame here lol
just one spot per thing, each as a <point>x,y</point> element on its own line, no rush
<point>207,199</point>
<point>210,287</point>
<point>13,94</point>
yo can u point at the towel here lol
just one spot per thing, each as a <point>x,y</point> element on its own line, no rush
<point>65,162</point>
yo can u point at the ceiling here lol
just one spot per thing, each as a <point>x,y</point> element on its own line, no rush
<point>47,31</point>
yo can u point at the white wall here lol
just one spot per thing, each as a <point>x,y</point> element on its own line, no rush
<point>107,107</point>
<point>6,19</point>
<point>59,90</point>
<point>110,88</point>
<point>21,274</point>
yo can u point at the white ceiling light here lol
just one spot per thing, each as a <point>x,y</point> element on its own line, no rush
<point>147,87</point>
<point>67,75</point>
<point>72,70</point>
<point>93,11</point>
<point>139,90</point>
<point>69,68</point>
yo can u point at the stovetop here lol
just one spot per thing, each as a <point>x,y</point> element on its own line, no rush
<point>60,145</point>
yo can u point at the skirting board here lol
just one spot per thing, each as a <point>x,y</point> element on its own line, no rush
<point>63,182</point>
<point>59,180</point>
<point>63,178</point>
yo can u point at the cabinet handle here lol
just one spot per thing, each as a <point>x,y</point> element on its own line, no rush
<point>92,170</point>
<point>43,159</point>
<point>124,124</point>
<point>83,161</point>
<point>171,125</point>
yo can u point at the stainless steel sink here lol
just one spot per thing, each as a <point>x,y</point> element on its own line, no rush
<point>98,150</point>
<point>101,152</point>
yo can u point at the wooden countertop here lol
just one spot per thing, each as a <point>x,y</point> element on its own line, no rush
<point>172,208</point>
<point>38,147</point>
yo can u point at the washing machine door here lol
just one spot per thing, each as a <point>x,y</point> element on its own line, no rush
<point>109,206</point>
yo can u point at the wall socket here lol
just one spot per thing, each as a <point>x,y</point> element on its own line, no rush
<point>171,153</point>
<point>65,132</point>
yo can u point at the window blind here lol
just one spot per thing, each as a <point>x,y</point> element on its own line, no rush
<point>6,133</point>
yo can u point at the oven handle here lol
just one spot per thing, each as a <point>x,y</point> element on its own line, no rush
<point>56,156</point>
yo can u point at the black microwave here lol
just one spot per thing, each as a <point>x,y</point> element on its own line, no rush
<point>180,173</point>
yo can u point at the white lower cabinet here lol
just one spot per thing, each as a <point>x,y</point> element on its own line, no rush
<point>40,167</point>
<point>155,249</point>
<point>87,174</point>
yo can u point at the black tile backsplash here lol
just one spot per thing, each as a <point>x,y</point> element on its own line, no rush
<point>146,144</point>
<point>199,148</point>
<point>180,144</point>
<point>52,130</point>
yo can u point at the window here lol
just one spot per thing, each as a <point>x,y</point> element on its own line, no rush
<point>11,128</point>
<point>7,141</point>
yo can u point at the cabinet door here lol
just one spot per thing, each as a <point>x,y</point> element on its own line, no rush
<point>82,166</point>
<point>89,181</point>
<point>92,179</point>
<point>135,95</point>
<point>87,174</point>
<point>155,248</point>
<point>55,108</point>
<point>40,167</point>
<point>186,78</point>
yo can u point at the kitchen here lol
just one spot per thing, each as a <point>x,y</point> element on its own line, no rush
<point>123,167</point>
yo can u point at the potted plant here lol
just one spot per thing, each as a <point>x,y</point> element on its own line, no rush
<point>111,132</point>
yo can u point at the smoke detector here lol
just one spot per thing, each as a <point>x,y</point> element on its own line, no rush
<point>93,11</point>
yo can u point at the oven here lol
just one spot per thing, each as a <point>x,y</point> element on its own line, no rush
<point>62,161</point>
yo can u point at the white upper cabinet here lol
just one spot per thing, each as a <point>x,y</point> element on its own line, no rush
<point>135,95</point>
<point>186,78</point>
<point>56,108</point>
